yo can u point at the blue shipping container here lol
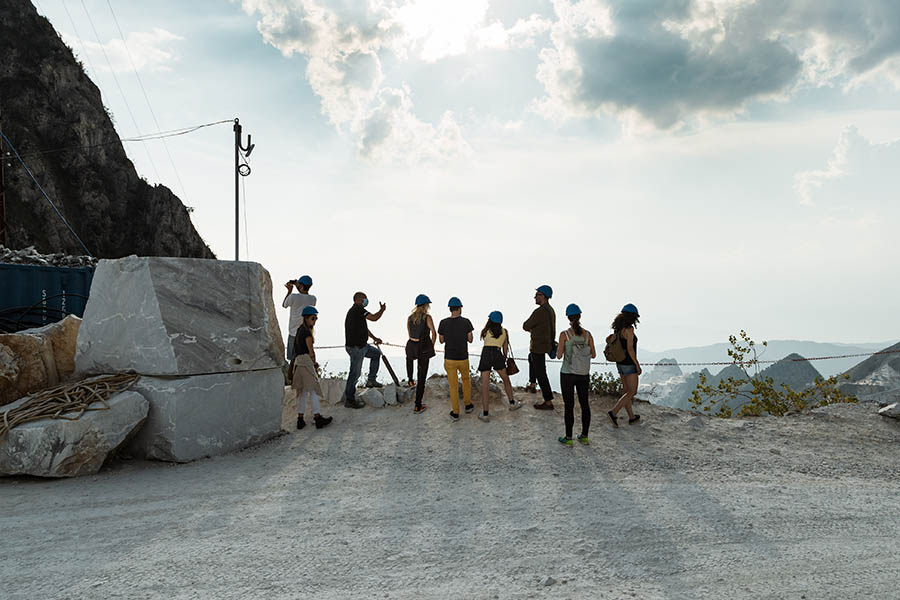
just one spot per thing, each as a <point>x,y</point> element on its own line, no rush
<point>34,296</point>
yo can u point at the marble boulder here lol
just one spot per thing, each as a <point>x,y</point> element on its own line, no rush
<point>63,448</point>
<point>179,316</point>
<point>207,415</point>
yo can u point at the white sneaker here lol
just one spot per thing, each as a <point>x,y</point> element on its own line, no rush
<point>484,417</point>
<point>516,405</point>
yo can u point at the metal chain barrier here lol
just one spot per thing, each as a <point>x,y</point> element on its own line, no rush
<point>687,364</point>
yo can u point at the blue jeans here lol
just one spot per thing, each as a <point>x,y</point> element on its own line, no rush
<point>626,369</point>
<point>356,360</point>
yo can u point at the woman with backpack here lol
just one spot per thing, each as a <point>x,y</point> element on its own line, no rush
<point>493,356</point>
<point>420,346</point>
<point>626,360</point>
<point>576,349</point>
<point>305,377</point>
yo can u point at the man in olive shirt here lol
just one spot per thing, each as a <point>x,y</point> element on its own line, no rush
<point>542,327</point>
<point>356,343</point>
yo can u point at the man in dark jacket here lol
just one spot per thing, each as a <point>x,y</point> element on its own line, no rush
<point>542,327</point>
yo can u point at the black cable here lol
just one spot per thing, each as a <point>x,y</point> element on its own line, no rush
<point>144,138</point>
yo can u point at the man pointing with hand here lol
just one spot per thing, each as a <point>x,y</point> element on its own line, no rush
<point>356,342</point>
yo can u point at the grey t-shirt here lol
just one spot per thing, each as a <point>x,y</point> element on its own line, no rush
<point>296,302</point>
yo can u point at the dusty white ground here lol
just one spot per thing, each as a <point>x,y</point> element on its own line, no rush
<point>388,504</point>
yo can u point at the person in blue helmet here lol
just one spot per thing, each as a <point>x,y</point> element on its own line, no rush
<point>356,338</point>
<point>542,327</point>
<point>629,368</point>
<point>455,332</point>
<point>493,356</point>
<point>576,349</point>
<point>306,370</point>
<point>419,347</point>
<point>296,302</point>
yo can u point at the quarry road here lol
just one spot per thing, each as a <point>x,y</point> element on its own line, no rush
<point>388,504</point>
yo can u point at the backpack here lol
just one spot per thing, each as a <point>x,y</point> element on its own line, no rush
<point>580,357</point>
<point>614,352</point>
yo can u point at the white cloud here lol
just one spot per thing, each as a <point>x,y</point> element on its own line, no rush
<point>392,133</point>
<point>150,50</point>
<point>345,43</point>
<point>859,174</point>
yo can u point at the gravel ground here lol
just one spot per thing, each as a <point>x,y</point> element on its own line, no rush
<point>388,504</point>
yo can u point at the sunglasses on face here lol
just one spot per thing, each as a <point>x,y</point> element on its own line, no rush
<point>313,318</point>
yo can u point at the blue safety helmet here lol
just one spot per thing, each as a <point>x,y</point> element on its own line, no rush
<point>305,280</point>
<point>454,302</point>
<point>572,309</point>
<point>308,310</point>
<point>630,308</point>
<point>546,290</point>
<point>422,299</point>
<point>496,317</point>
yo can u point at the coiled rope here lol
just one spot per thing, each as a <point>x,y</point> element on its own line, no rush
<point>58,402</point>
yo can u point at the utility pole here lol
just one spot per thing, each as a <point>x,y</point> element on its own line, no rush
<point>240,170</point>
<point>4,238</point>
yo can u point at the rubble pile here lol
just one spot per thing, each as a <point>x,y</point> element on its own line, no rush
<point>30,256</point>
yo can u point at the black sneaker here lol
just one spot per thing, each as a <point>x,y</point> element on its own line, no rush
<point>353,403</point>
<point>613,418</point>
<point>300,422</point>
<point>470,408</point>
<point>321,421</point>
<point>454,416</point>
<point>374,384</point>
<point>634,419</point>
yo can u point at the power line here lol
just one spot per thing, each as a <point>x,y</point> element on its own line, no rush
<point>46,197</point>
<point>116,79</point>
<point>144,138</point>
<point>81,42</point>
<point>146,97</point>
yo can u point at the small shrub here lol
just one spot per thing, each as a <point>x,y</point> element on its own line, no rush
<point>760,394</point>
<point>606,384</point>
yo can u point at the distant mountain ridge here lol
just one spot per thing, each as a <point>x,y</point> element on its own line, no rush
<point>52,112</point>
<point>776,350</point>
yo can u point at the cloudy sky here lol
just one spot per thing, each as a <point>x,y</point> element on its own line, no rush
<point>722,164</point>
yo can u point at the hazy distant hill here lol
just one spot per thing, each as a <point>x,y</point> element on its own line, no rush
<point>676,391</point>
<point>776,350</point>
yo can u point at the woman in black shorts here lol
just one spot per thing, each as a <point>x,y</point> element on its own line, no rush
<point>493,356</point>
<point>629,368</point>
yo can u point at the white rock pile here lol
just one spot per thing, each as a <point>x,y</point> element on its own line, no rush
<point>30,256</point>
<point>204,336</point>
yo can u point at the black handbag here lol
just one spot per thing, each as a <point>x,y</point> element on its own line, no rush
<point>511,367</point>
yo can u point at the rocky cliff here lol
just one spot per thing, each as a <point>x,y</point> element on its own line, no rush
<point>47,102</point>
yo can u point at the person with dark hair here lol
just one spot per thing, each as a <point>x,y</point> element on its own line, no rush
<point>356,337</point>
<point>296,302</point>
<point>305,379</point>
<point>420,346</point>
<point>455,332</point>
<point>493,356</point>
<point>542,327</point>
<point>629,368</point>
<point>576,348</point>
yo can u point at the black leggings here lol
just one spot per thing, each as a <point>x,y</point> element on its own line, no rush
<point>537,371</point>
<point>421,376</point>
<point>570,384</point>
